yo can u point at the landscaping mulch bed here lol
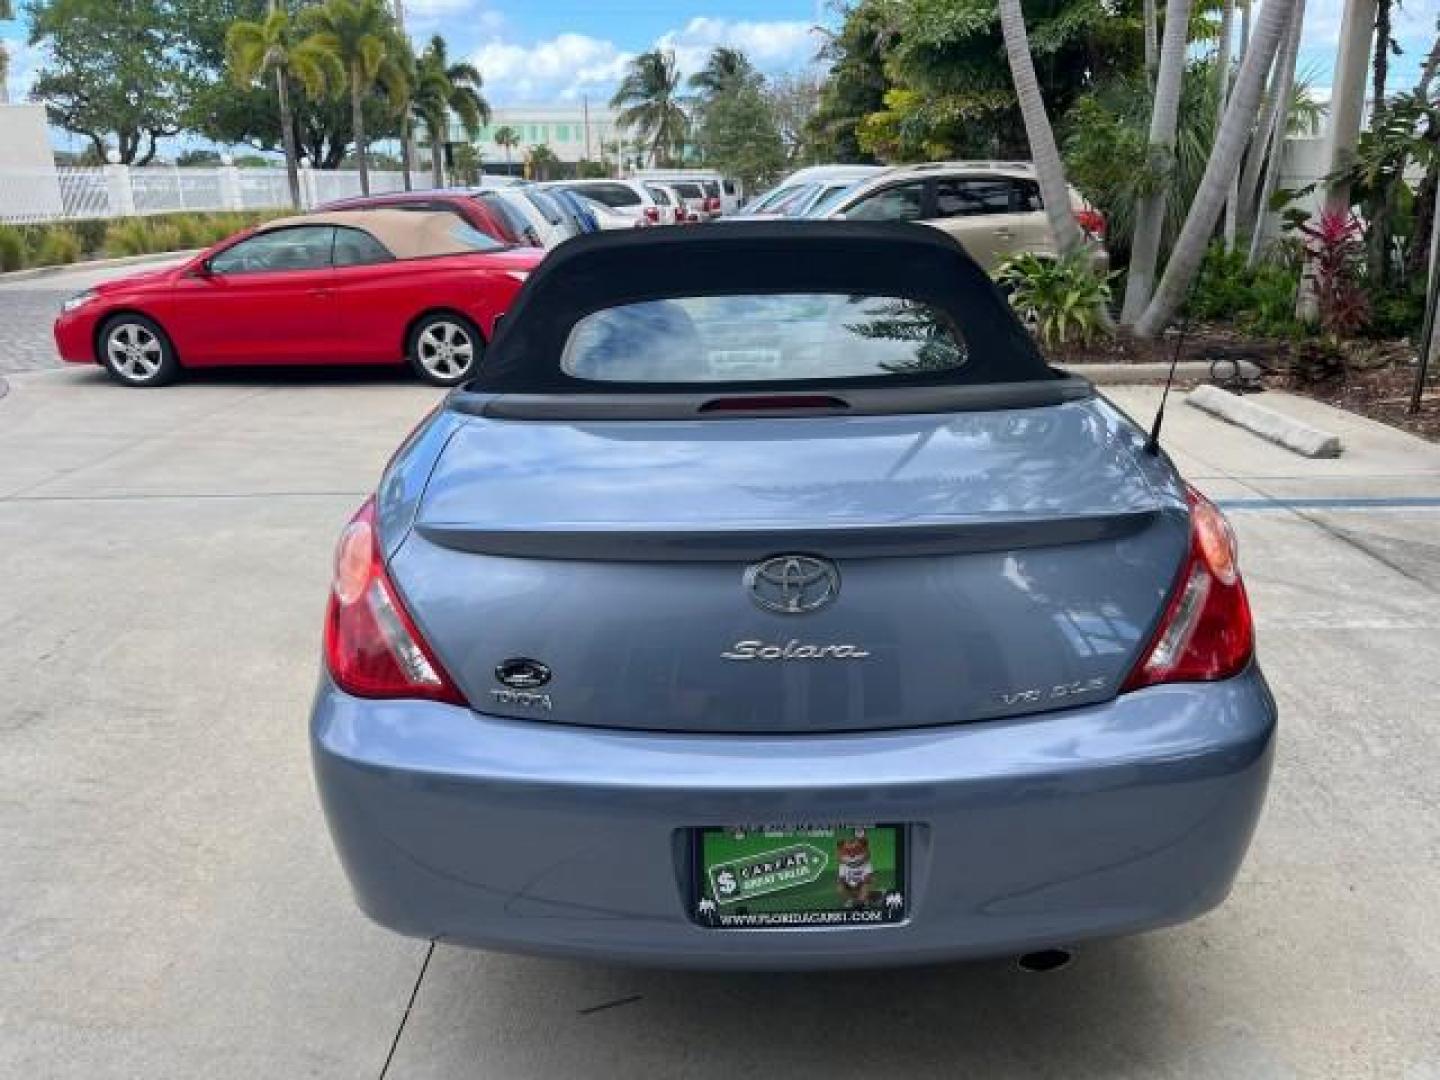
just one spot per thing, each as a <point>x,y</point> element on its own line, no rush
<point>1374,380</point>
<point>1381,394</point>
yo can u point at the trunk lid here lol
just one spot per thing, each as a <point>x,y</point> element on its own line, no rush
<point>987,564</point>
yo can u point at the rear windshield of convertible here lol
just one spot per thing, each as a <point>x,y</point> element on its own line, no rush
<point>760,338</point>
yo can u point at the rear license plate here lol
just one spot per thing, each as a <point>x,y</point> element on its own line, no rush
<point>769,877</point>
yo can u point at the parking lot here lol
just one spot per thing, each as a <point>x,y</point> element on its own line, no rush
<point>171,906</point>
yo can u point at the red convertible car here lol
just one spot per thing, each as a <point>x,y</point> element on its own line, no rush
<point>361,287</point>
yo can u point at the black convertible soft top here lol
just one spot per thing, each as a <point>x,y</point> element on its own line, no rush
<point>608,269</point>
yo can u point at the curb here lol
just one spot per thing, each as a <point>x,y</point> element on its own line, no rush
<point>1157,373</point>
<point>1267,423</point>
<point>35,272</point>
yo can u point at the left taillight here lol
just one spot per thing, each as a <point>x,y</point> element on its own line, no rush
<point>712,204</point>
<point>372,646</point>
<point>1207,632</point>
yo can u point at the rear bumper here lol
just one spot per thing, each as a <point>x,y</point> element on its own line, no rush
<point>571,841</point>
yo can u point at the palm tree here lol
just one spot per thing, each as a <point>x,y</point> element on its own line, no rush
<point>272,48</point>
<point>1164,116</point>
<point>442,88</point>
<point>648,100</point>
<point>541,160</point>
<point>1222,96</point>
<point>1221,168</point>
<point>1049,168</point>
<point>507,138</point>
<point>726,67</point>
<point>362,36</point>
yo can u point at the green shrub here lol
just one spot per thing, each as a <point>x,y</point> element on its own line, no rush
<point>12,248</point>
<point>59,246</point>
<point>1259,300</point>
<point>127,236</point>
<point>1060,299</point>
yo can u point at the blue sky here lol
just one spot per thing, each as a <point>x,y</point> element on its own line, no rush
<point>558,50</point>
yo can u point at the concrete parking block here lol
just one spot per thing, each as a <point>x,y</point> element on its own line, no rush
<point>1275,426</point>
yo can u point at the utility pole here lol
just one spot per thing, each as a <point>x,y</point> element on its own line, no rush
<point>585,112</point>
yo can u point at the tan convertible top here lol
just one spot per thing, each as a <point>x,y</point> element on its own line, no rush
<point>408,234</point>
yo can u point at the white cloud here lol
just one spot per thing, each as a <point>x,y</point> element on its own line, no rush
<point>569,65</point>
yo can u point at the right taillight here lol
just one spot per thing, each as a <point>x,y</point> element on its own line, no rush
<point>372,647</point>
<point>1207,632</point>
<point>652,215</point>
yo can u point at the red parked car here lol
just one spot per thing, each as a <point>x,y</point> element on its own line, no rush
<point>357,287</point>
<point>483,209</point>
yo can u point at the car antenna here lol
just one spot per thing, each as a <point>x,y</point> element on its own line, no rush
<point>1152,444</point>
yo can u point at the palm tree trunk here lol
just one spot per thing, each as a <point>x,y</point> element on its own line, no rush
<point>287,137</point>
<point>1152,55</point>
<point>407,157</point>
<point>1150,219</point>
<point>1049,168</point>
<point>1223,164</point>
<point>437,158</point>
<point>357,122</point>
<point>1278,95</point>
<point>1222,96</point>
<point>1278,133</point>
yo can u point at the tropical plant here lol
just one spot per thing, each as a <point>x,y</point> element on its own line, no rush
<point>739,135</point>
<point>1259,299</point>
<point>507,138</point>
<point>649,104</point>
<point>443,87</point>
<point>12,248</point>
<point>724,69</point>
<point>1335,246</point>
<point>1221,166</point>
<point>1062,300</point>
<point>272,48</point>
<point>363,38</point>
<point>540,162</point>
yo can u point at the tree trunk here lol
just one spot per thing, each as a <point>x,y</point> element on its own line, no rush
<point>287,137</point>
<point>1277,96</point>
<point>407,156</point>
<point>1224,162</point>
<point>1222,95</point>
<point>1381,69</point>
<point>437,154</point>
<point>1152,55</point>
<point>1150,218</point>
<point>1278,134</point>
<point>357,122</point>
<point>1049,168</point>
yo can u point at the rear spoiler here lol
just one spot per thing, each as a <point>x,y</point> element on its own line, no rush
<point>700,402</point>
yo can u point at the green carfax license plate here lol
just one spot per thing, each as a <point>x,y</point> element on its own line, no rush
<point>791,877</point>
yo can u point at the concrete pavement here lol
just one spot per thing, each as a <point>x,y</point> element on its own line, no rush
<point>170,905</point>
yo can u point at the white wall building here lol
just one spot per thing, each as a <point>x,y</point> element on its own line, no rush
<point>573,132</point>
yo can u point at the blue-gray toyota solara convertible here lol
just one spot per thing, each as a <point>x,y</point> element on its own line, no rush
<point>768,602</point>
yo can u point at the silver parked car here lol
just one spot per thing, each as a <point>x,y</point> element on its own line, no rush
<point>768,602</point>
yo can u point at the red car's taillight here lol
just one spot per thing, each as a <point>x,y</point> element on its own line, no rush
<point>1207,632</point>
<point>372,647</point>
<point>1091,222</point>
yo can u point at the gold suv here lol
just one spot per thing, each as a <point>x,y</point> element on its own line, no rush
<point>993,208</point>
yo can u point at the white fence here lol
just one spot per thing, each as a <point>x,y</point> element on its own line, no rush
<point>71,193</point>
